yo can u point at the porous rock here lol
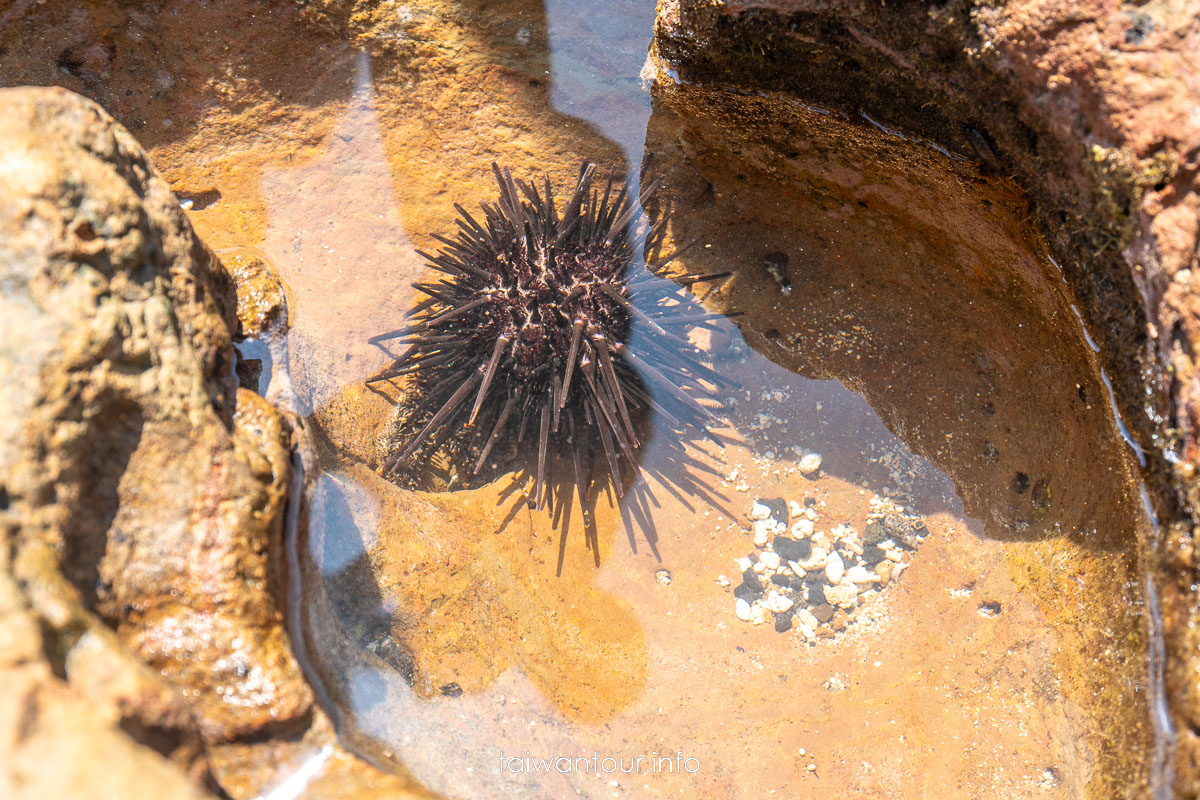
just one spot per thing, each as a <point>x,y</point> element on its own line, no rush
<point>142,492</point>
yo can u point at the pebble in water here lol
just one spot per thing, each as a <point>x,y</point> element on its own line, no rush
<point>816,581</point>
<point>835,568</point>
<point>742,609</point>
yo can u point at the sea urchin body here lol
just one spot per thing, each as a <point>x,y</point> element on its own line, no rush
<point>526,335</point>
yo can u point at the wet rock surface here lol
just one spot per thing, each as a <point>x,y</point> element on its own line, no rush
<point>143,493</point>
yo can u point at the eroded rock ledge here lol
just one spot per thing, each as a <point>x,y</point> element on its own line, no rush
<point>141,493</point>
<point>1090,106</point>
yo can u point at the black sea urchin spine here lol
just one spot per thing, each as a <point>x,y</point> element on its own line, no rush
<point>527,333</point>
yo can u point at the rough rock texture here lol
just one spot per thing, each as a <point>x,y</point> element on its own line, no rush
<point>141,494</point>
<point>1090,106</point>
<point>63,739</point>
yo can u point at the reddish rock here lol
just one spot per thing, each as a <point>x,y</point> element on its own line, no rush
<point>1091,107</point>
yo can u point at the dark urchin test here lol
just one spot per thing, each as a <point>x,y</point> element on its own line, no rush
<point>524,342</point>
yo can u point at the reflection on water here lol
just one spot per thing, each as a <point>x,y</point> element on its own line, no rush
<point>347,272</point>
<point>462,634</point>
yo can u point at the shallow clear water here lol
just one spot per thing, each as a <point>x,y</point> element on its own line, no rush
<point>464,657</point>
<point>936,369</point>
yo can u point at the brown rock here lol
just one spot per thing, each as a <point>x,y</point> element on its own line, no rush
<point>261,308</point>
<point>1089,105</point>
<point>141,496</point>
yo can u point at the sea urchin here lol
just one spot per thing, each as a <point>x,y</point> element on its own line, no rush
<point>527,335</point>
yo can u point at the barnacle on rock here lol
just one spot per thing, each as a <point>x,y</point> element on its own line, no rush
<point>526,341</point>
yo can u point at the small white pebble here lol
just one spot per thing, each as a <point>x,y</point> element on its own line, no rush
<point>796,568</point>
<point>760,511</point>
<point>742,609</point>
<point>771,559</point>
<point>811,513</point>
<point>794,508</point>
<point>835,568</point>
<point>810,463</point>
<point>723,581</point>
<point>744,564</point>
<point>777,603</point>
<point>816,559</point>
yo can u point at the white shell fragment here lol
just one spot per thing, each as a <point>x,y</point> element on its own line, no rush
<point>861,575</point>
<point>763,528</point>
<point>802,528</point>
<point>842,595</point>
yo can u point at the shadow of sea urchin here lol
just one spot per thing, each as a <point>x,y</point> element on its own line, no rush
<point>526,338</point>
